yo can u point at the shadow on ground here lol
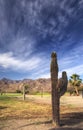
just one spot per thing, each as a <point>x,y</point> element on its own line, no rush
<point>66,129</point>
<point>69,121</point>
<point>2,107</point>
<point>37,123</point>
<point>71,118</point>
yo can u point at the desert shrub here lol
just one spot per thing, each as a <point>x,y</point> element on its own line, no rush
<point>18,91</point>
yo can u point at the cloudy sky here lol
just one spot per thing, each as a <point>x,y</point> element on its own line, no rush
<point>31,29</point>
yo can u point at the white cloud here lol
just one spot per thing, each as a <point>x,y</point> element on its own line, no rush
<point>76,69</point>
<point>47,75</point>
<point>8,61</point>
<point>41,72</point>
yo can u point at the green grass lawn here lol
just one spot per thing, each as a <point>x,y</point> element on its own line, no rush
<point>10,94</point>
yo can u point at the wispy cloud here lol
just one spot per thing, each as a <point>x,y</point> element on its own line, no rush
<point>22,47</point>
<point>8,61</point>
<point>72,70</point>
<point>35,18</point>
<point>31,29</point>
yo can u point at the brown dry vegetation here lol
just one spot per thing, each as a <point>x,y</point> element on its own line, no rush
<point>34,114</point>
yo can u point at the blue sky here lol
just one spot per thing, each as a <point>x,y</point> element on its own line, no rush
<point>31,29</point>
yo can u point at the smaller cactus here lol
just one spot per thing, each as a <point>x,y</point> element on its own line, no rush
<point>62,84</point>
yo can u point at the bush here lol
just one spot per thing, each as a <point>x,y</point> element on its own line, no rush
<point>18,91</point>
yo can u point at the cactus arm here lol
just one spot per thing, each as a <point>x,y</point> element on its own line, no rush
<point>62,84</point>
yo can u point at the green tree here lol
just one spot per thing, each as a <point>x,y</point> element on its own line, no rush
<point>25,90</point>
<point>75,82</point>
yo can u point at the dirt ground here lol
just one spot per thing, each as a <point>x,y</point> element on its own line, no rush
<point>70,121</point>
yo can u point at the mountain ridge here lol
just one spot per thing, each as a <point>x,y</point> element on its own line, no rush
<point>36,85</point>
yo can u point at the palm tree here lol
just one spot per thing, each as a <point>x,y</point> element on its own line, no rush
<point>75,82</point>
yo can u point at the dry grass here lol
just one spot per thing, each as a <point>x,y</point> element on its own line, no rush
<point>11,107</point>
<point>14,108</point>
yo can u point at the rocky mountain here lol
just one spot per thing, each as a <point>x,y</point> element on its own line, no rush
<point>7,85</point>
<point>38,85</point>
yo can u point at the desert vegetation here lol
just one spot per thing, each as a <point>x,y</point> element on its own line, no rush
<point>75,81</point>
<point>38,111</point>
<point>38,106</point>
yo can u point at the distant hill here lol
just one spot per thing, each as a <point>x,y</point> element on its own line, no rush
<point>7,85</point>
<point>38,85</point>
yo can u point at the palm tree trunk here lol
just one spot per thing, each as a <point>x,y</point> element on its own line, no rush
<point>76,89</point>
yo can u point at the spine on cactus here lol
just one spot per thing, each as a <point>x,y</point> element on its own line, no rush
<point>55,94</point>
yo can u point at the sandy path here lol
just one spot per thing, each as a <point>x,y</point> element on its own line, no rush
<point>37,124</point>
<point>64,100</point>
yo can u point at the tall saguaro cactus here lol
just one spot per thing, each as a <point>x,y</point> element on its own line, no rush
<point>55,94</point>
<point>59,88</point>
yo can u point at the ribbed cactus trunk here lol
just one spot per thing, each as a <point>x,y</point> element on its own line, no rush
<point>55,94</point>
<point>63,84</point>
